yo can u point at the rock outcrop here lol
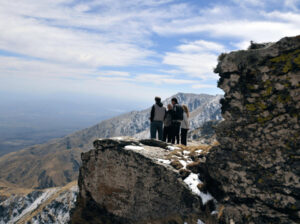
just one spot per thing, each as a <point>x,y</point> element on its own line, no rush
<point>256,168</point>
<point>125,181</point>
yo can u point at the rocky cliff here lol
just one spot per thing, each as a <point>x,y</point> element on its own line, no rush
<point>146,181</point>
<point>256,168</point>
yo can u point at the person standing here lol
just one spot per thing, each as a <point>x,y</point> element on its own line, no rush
<point>167,136</point>
<point>177,117</point>
<point>185,126</point>
<point>158,112</point>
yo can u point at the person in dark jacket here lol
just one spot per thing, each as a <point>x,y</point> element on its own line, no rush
<point>158,112</point>
<point>167,124</point>
<point>177,117</point>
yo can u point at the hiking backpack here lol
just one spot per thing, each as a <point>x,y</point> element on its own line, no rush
<point>178,112</point>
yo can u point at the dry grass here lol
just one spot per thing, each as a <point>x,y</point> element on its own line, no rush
<point>8,189</point>
<point>193,150</point>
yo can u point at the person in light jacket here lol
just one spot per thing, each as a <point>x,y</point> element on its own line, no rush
<point>185,126</point>
<point>158,112</point>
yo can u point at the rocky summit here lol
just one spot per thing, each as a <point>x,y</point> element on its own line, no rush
<point>256,168</point>
<point>147,181</point>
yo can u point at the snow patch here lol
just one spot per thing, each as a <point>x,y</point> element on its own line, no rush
<point>192,181</point>
<point>172,148</point>
<point>133,147</point>
<point>183,163</point>
<point>200,222</point>
<point>164,161</point>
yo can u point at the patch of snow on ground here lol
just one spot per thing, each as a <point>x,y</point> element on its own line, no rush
<point>214,212</point>
<point>118,138</point>
<point>172,148</point>
<point>133,147</point>
<point>200,222</point>
<point>164,161</point>
<point>192,181</point>
<point>198,151</point>
<point>183,163</point>
<point>186,152</point>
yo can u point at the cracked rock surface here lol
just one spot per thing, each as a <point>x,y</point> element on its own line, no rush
<point>256,167</point>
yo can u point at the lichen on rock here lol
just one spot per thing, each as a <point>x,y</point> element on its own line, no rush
<point>256,167</point>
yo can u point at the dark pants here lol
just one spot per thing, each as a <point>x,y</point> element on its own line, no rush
<point>167,134</point>
<point>183,135</point>
<point>156,126</point>
<point>175,131</point>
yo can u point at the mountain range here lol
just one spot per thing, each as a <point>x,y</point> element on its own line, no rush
<point>56,162</point>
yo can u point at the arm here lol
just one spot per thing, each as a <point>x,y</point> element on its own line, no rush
<point>152,113</point>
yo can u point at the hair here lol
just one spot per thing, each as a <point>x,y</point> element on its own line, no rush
<point>175,100</point>
<point>170,106</point>
<point>186,109</point>
<point>157,99</point>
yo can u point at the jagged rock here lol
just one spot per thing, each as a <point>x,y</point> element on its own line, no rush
<point>154,142</point>
<point>184,173</point>
<point>194,167</point>
<point>176,164</point>
<point>255,170</point>
<point>124,181</point>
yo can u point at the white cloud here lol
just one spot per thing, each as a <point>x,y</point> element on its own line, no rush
<point>196,59</point>
<point>249,2</point>
<point>196,65</point>
<point>203,86</point>
<point>200,46</point>
<point>21,67</point>
<point>90,40</point>
<point>115,73</point>
<point>162,79</point>
<point>292,4</point>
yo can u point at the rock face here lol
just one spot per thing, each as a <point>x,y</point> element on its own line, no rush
<point>124,181</point>
<point>255,171</point>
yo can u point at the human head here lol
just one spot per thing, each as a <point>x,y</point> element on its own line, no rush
<point>186,109</point>
<point>157,99</point>
<point>174,101</point>
<point>170,107</point>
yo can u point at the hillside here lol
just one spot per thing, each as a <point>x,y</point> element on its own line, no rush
<point>51,205</point>
<point>57,162</point>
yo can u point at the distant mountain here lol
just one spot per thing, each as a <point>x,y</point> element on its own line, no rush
<point>56,162</point>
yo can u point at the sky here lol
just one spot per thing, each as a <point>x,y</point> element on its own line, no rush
<point>130,50</point>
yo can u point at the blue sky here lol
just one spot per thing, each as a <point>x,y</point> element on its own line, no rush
<point>133,49</point>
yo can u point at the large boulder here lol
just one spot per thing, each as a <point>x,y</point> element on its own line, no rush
<point>125,181</point>
<point>256,168</point>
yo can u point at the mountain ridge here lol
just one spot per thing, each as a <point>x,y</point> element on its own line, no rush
<point>56,162</point>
